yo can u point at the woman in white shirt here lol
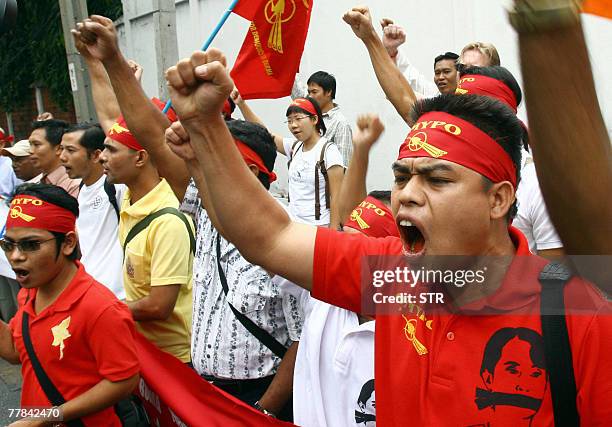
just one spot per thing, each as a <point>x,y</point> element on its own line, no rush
<point>315,165</point>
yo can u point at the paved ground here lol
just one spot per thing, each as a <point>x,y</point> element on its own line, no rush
<point>10,389</point>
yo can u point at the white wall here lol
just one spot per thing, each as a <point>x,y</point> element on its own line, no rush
<point>432,26</point>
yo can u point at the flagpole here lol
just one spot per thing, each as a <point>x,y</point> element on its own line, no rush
<point>210,39</point>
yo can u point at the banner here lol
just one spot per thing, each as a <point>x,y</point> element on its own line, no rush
<point>248,8</point>
<point>175,395</point>
<point>271,53</point>
<point>598,7</point>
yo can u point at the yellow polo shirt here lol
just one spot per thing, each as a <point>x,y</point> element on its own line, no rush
<point>158,256</point>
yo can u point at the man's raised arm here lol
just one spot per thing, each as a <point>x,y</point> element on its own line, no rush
<point>390,78</point>
<point>251,219</point>
<point>146,122</point>
<point>571,147</point>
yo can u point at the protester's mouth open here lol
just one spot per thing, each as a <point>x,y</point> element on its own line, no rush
<point>21,274</point>
<point>412,238</point>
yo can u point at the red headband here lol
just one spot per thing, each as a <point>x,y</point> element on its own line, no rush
<point>252,158</point>
<point>305,105</point>
<point>373,219</point>
<point>31,212</point>
<point>443,136</point>
<point>487,86</point>
<point>4,137</point>
<point>119,131</point>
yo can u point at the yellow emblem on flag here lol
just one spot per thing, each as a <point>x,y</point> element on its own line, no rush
<point>275,15</point>
<point>410,332</point>
<point>419,141</point>
<point>60,333</point>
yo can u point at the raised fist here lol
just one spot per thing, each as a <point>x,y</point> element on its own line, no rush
<point>96,37</point>
<point>360,21</point>
<point>369,129</point>
<point>178,140</point>
<point>393,36</point>
<point>199,86</point>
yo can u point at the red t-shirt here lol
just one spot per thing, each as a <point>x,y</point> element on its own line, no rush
<point>440,369</point>
<point>85,336</point>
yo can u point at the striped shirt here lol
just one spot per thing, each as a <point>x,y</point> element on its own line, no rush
<point>220,345</point>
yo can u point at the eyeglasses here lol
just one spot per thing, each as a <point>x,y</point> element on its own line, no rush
<point>295,119</point>
<point>24,245</point>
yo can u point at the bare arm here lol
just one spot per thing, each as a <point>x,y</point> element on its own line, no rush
<point>7,346</point>
<point>335,174</point>
<point>279,390</point>
<point>353,190</point>
<point>198,87</point>
<point>105,102</point>
<point>146,122</point>
<point>571,147</point>
<point>389,77</point>
<point>158,305</point>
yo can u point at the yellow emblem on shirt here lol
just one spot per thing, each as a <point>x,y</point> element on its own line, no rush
<point>60,333</point>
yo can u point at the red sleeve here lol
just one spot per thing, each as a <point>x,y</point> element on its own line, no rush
<point>337,266</point>
<point>112,343</point>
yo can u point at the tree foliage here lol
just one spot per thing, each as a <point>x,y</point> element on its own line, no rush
<point>34,52</point>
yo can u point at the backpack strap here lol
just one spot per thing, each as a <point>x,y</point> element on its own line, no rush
<point>51,391</point>
<point>557,349</point>
<point>320,167</point>
<point>147,220</point>
<point>294,147</point>
<point>111,192</point>
<point>262,335</point>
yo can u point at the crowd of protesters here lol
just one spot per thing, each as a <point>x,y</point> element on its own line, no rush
<point>162,223</point>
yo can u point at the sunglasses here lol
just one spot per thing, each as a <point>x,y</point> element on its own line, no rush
<point>24,245</point>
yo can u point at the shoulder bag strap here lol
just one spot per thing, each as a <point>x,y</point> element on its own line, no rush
<point>263,336</point>
<point>111,192</point>
<point>52,393</point>
<point>557,348</point>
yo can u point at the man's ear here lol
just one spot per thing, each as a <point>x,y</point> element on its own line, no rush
<point>58,150</point>
<point>487,378</point>
<point>254,170</point>
<point>70,242</point>
<point>142,157</point>
<point>95,156</point>
<point>501,198</point>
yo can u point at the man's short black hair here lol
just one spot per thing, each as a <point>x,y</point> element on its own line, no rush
<point>447,55</point>
<point>59,197</point>
<point>92,138</point>
<point>381,195</point>
<point>259,140</point>
<point>54,129</point>
<point>489,115</point>
<point>325,80</point>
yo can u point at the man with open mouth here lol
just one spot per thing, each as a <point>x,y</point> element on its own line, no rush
<point>454,190</point>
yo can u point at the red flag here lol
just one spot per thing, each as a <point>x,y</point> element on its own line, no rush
<point>272,50</point>
<point>248,8</point>
<point>598,7</point>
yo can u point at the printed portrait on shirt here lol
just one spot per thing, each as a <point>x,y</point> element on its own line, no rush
<point>365,413</point>
<point>514,375</point>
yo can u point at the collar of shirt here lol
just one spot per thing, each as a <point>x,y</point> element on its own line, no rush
<point>331,112</point>
<point>155,199</point>
<point>79,284</point>
<point>55,176</point>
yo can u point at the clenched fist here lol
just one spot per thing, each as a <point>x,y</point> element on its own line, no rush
<point>199,86</point>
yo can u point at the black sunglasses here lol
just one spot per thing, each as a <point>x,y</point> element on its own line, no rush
<point>24,245</point>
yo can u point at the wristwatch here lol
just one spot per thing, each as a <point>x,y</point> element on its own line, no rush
<point>263,410</point>
<point>530,16</point>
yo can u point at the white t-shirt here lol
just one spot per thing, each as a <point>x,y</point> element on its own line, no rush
<point>302,180</point>
<point>319,399</point>
<point>97,226</point>
<point>532,217</point>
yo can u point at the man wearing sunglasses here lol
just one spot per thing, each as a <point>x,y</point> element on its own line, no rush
<point>64,314</point>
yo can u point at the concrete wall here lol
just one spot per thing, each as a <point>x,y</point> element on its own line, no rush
<point>433,27</point>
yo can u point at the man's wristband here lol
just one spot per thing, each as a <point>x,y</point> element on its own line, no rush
<point>263,410</point>
<point>531,16</point>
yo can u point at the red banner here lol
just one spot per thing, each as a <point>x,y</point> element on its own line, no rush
<point>598,7</point>
<point>248,8</point>
<point>175,395</point>
<point>271,53</point>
